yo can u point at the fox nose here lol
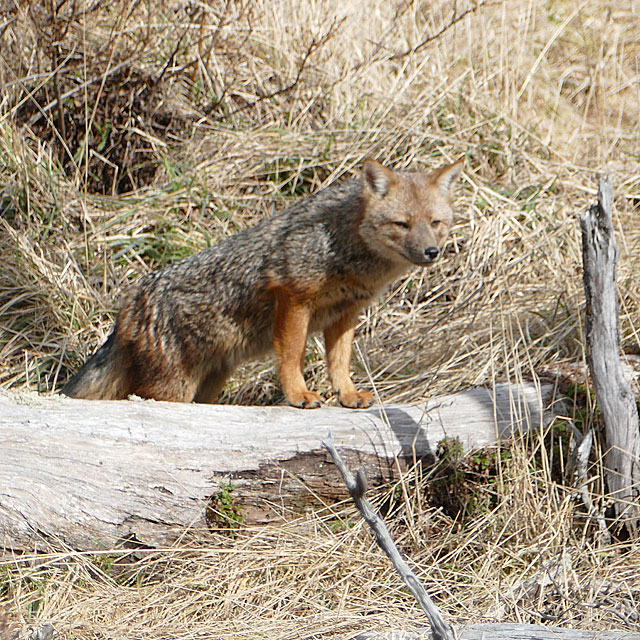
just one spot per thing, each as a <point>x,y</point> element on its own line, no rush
<point>431,253</point>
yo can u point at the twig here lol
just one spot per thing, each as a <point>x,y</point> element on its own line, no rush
<point>578,463</point>
<point>313,46</point>
<point>43,110</point>
<point>357,487</point>
<point>455,19</point>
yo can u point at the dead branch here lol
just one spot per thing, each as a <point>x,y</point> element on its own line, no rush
<point>613,391</point>
<point>316,43</point>
<point>357,487</point>
<point>578,464</point>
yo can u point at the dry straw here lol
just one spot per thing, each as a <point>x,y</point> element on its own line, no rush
<point>203,118</point>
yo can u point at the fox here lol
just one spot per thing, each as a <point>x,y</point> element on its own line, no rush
<point>182,330</point>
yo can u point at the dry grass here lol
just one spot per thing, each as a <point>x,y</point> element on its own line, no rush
<point>202,118</point>
<point>522,557</point>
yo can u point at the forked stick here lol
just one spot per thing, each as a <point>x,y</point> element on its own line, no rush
<point>357,487</point>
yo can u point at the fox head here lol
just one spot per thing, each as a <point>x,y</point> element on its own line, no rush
<point>407,216</point>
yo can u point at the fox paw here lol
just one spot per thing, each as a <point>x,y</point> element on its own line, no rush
<point>305,399</point>
<point>356,399</point>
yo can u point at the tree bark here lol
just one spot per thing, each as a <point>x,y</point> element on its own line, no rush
<point>613,391</point>
<point>94,475</point>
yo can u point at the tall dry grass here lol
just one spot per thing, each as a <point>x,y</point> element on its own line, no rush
<point>134,133</point>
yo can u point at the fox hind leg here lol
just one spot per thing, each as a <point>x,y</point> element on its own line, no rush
<point>161,381</point>
<point>210,387</point>
<point>167,388</point>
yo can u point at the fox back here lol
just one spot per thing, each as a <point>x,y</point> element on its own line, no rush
<point>182,330</point>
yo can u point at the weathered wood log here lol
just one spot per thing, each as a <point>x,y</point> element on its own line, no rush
<point>94,475</point>
<point>506,631</point>
<point>613,391</point>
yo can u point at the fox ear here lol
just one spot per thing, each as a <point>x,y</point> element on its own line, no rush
<point>445,176</point>
<point>377,178</point>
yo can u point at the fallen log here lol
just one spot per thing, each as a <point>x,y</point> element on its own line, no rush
<point>486,631</point>
<point>96,475</point>
<point>507,631</point>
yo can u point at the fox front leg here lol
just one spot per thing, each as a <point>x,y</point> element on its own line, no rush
<point>289,343</point>
<point>338,340</point>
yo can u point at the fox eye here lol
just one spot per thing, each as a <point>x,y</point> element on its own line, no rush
<point>401,223</point>
<point>436,223</point>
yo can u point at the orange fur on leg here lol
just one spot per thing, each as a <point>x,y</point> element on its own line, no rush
<point>289,342</point>
<point>338,340</point>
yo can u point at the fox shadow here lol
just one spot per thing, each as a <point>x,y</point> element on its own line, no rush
<point>476,418</point>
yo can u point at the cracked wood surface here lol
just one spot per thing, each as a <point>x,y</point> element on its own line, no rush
<point>94,475</point>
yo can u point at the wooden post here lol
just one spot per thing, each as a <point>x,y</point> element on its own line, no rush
<point>613,391</point>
